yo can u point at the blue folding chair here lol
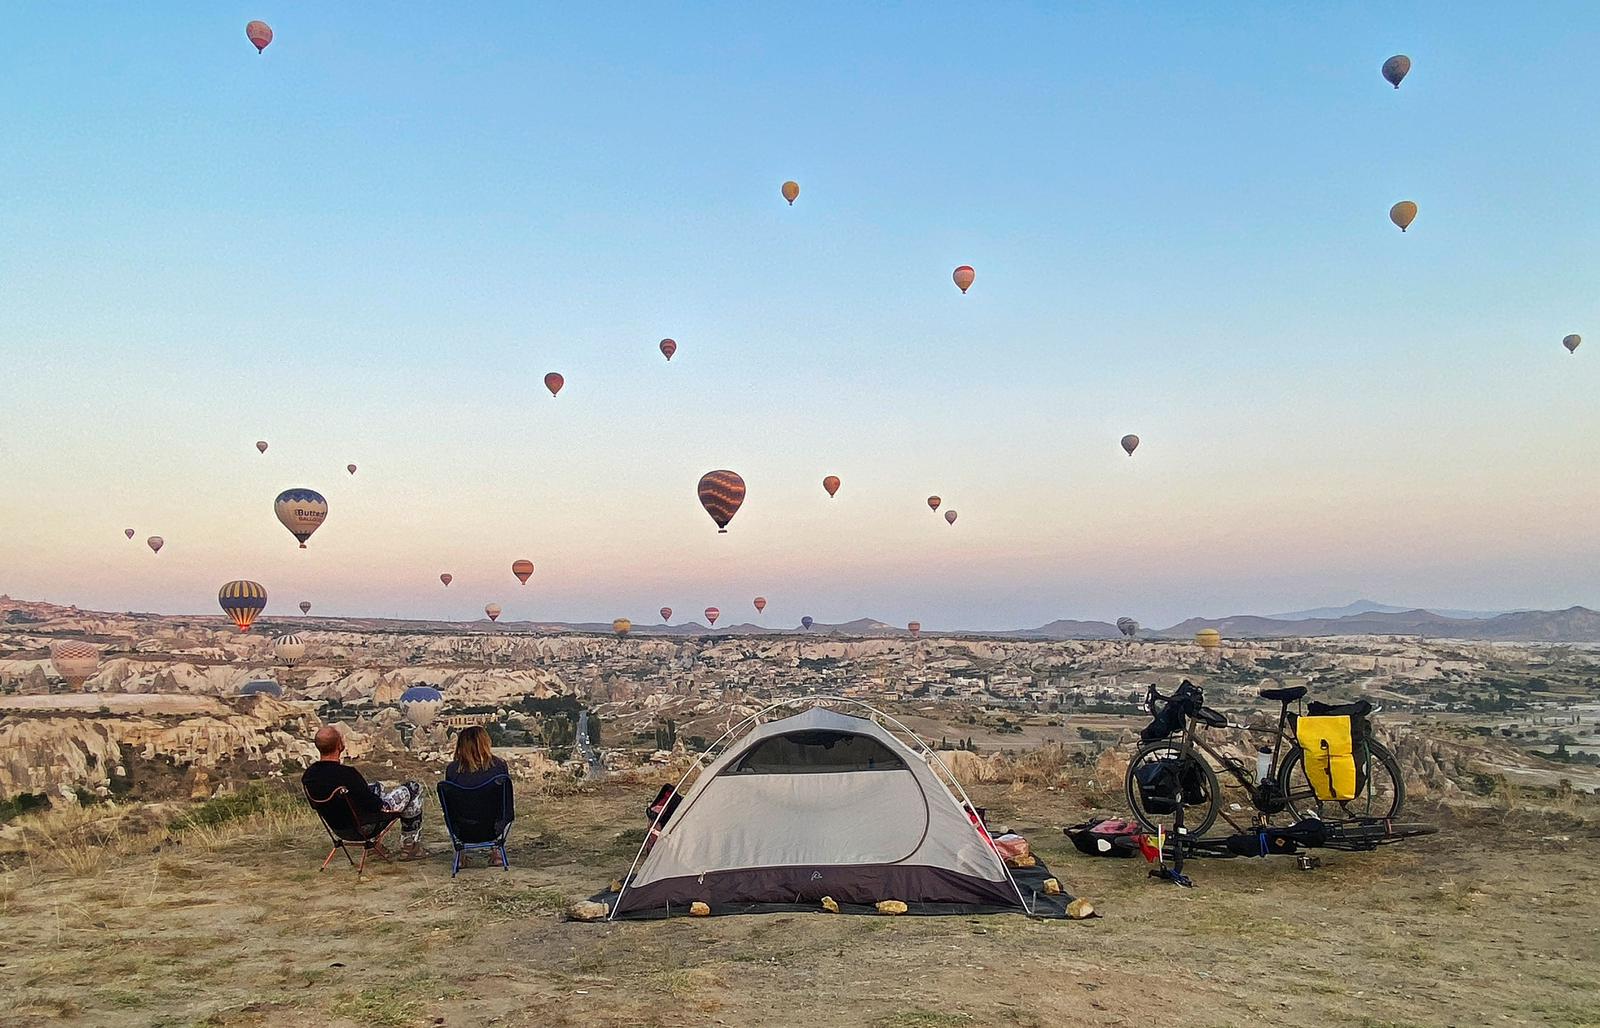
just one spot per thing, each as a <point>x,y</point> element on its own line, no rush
<point>478,818</point>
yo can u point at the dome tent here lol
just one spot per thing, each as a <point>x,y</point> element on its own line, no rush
<point>818,804</point>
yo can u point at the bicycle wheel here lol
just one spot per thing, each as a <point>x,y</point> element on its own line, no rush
<point>1198,817</point>
<point>1382,795</point>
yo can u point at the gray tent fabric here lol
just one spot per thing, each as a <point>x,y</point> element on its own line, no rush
<point>813,805</point>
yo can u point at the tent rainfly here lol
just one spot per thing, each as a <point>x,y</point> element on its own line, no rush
<point>818,804</point>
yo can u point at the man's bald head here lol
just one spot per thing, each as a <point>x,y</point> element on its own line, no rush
<point>329,741</point>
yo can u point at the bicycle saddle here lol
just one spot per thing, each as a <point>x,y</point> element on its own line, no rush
<point>1284,695</point>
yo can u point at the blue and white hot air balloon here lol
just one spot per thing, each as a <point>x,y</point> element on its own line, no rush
<point>302,512</point>
<point>420,704</point>
<point>261,686</point>
<point>806,622</point>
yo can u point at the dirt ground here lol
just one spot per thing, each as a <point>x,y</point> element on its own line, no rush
<point>1494,921</point>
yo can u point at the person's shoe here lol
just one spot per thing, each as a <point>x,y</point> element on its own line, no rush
<point>494,859</point>
<point>413,851</point>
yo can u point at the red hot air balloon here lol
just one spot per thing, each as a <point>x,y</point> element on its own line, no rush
<point>554,382</point>
<point>447,578</point>
<point>712,614</point>
<point>721,493</point>
<point>128,532</point>
<point>259,33</point>
<point>950,517</point>
<point>963,277</point>
<point>761,604</point>
<point>933,502</point>
<point>668,348</point>
<point>523,569</point>
<point>666,614</point>
<point>831,484</point>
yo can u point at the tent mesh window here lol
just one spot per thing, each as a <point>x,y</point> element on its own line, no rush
<point>816,753</point>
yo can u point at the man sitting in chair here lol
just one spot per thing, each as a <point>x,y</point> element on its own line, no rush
<point>370,799</point>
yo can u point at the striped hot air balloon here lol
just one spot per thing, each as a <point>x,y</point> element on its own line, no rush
<point>1208,639</point>
<point>242,600</point>
<point>721,493</point>
<point>712,614</point>
<point>831,484</point>
<point>915,628</point>
<point>523,569</point>
<point>302,512</point>
<point>74,660</point>
<point>668,348</point>
<point>666,614</point>
<point>761,604</point>
<point>290,649</point>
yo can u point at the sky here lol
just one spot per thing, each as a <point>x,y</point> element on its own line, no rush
<point>369,244</point>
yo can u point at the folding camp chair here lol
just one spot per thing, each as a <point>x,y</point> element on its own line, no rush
<point>346,828</point>
<point>478,818</point>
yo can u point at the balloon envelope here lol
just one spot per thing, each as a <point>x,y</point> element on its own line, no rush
<point>350,468</point>
<point>1403,214</point>
<point>260,34</point>
<point>74,660</point>
<point>1571,343</point>
<point>155,543</point>
<point>761,604</point>
<point>950,517</point>
<point>622,626</point>
<point>915,628</point>
<point>289,648</point>
<point>1395,68</point>
<point>261,687</point>
<point>666,613</point>
<point>128,532</point>
<point>668,348</point>
<point>261,445</point>
<point>963,277</point>
<point>721,493</point>
<point>305,606</point>
<point>791,191</point>
<point>523,569</point>
<point>933,502</point>
<point>1130,443</point>
<point>447,578</point>
<point>554,382</point>
<point>420,704</point>
<point>1127,626</point>
<point>242,600</point>
<point>1208,638</point>
<point>806,622</point>
<point>712,614</point>
<point>493,610</point>
<point>302,512</point>
<point>831,484</point>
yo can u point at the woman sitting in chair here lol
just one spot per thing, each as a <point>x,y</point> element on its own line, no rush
<point>475,765</point>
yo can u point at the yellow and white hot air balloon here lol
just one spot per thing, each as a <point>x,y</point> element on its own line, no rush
<point>1208,639</point>
<point>621,626</point>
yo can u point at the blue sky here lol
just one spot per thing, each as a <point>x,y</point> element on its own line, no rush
<point>370,243</point>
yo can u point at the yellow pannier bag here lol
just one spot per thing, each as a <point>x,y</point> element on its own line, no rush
<point>1329,756</point>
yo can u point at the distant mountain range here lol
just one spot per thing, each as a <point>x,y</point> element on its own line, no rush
<point>1374,607</point>
<point>1573,625</point>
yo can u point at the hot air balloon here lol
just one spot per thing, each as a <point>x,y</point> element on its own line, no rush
<point>933,502</point>
<point>554,382</point>
<point>721,493</point>
<point>259,33</point>
<point>242,601</point>
<point>75,661</point>
<point>261,446</point>
<point>963,276</point>
<point>1571,343</point>
<point>302,512</point>
<point>668,348</point>
<point>523,569</point>
<point>949,517</point>
<point>621,626</point>
<point>915,628</point>
<point>712,614</point>
<point>761,604</point>
<point>493,610</point>
<point>666,614</point>
<point>447,578</point>
<point>261,687</point>
<point>1395,68</point>
<point>350,468</point>
<point>420,704</point>
<point>1130,443</point>
<point>1403,214</point>
<point>155,543</point>
<point>289,648</point>
<point>128,532</point>
<point>791,192</point>
<point>1128,627</point>
<point>1208,639</point>
<point>806,622</point>
<point>305,606</point>
<point>831,484</point>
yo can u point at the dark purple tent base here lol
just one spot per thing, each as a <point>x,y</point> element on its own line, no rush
<point>1029,880</point>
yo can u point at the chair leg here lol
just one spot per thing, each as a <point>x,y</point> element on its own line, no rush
<point>329,858</point>
<point>505,862</point>
<point>455,864</point>
<point>362,869</point>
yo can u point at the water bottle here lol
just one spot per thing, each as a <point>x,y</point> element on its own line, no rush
<point>1263,765</point>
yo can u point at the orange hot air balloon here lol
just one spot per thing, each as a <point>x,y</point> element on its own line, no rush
<point>1130,443</point>
<point>668,348</point>
<point>761,604</point>
<point>831,484</point>
<point>554,382</point>
<point>950,517</point>
<point>712,614</point>
<point>447,578</point>
<point>915,628</point>
<point>523,569</point>
<point>259,33</point>
<point>721,494</point>
<point>791,192</point>
<point>128,532</point>
<point>963,276</point>
<point>933,502</point>
<point>666,614</point>
<point>493,610</point>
